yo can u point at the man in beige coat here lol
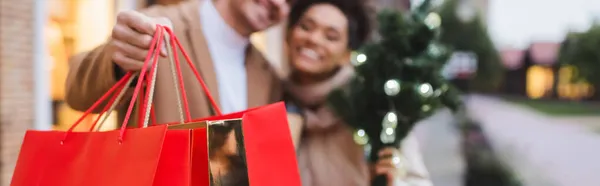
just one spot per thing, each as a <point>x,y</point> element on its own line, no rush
<point>215,33</point>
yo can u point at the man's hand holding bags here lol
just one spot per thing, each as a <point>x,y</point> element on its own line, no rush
<point>131,37</point>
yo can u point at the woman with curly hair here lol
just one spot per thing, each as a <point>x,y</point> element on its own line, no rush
<point>321,36</point>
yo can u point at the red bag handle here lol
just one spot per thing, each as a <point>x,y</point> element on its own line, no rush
<point>152,54</point>
<point>175,40</point>
<point>107,108</point>
<point>178,77</point>
<point>154,44</point>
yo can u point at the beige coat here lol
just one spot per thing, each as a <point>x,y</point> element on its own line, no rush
<point>92,74</point>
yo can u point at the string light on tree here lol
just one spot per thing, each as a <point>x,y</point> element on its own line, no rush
<point>426,90</point>
<point>358,58</point>
<point>390,120</point>
<point>433,20</point>
<point>389,124</point>
<point>361,58</point>
<point>392,87</point>
<point>361,137</point>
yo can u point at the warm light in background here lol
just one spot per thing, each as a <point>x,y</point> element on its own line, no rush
<point>569,89</point>
<point>75,26</point>
<point>539,81</point>
<point>94,23</point>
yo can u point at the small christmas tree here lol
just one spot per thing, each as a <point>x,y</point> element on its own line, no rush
<point>398,80</point>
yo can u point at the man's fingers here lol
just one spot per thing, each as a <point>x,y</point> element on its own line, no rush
<point>126,34</point>
<point>138,21</point>
<point>164,22</point>
<point>130,51</point>
<point>127,63</point>
<point>132,36</point>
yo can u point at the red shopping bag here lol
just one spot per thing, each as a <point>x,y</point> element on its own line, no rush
<point>263,149</point>
<point>126,157</point>
<point>256,141</point>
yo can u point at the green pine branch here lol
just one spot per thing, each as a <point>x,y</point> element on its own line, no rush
<point>410,53</point>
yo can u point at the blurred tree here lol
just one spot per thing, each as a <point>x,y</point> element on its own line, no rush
<point>581,51</point>
<point>463,30</point>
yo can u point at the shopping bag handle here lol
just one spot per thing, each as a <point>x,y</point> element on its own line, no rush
<point>151,83</point>
<point>173,58</point>
<point>153,51</point>
<point>111,105</point>
<point>122,84</point>
<point>172,45</point>
<point>153,54</point>
<point>174,40</point>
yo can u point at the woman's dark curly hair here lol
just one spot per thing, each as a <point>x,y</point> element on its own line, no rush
<point>359,23</point>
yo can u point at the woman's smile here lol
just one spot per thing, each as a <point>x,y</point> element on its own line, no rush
<point>309,55</point>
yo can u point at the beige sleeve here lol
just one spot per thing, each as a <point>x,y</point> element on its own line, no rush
<point>417,174</point>
<point>92,74</point>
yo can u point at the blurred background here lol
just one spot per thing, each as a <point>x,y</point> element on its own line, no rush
<point>529,71</point>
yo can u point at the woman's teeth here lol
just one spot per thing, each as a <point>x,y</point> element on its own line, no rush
<point>310,53</point>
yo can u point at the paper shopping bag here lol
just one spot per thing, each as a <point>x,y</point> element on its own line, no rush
<point>252,147</point>
<point>151,156</point>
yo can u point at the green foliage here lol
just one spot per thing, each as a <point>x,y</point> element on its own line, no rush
<point>407,52</point>
<point>581,51</point>
<point>472,36</point>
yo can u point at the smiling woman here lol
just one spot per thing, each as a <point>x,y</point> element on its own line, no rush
<point>321,37</point>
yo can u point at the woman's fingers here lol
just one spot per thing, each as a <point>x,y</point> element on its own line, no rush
<point>390,174</point>
<point>389,164</point>
<point>388,152</point>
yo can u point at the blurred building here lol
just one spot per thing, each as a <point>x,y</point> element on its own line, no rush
<point>36,40</point>
<point>514,82</point>
<point>542,61</point>
<point>536,73</point>
<point>17,110</point>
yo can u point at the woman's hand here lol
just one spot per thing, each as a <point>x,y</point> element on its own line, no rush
<point>389,163</point>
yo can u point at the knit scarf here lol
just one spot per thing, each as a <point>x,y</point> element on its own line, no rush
<point>327,155</point>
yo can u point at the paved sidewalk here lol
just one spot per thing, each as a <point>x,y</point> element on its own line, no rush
<point>545,151</point>
<point>440,146</point>
<point>591,122</point>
